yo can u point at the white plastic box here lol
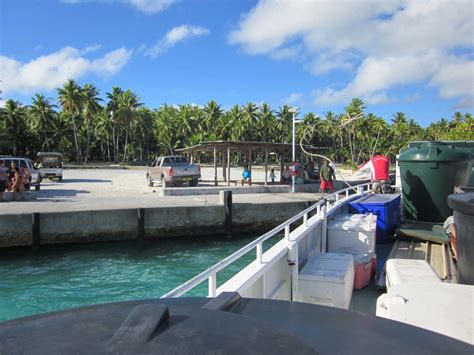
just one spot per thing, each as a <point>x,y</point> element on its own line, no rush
<point>440,307</point>
<point>327,279</point>
<point>403,271</point>
<point>355,232</point>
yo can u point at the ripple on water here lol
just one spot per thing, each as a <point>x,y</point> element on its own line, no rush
<point>62,277</point>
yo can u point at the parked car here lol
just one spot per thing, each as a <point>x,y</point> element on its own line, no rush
<point>51,165</point>
<point>35,179</point>
<point>173,170</point>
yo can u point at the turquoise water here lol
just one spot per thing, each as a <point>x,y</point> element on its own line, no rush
<point>61,277</point>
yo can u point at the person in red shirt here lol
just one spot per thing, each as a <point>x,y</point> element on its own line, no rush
<point>379,167</point>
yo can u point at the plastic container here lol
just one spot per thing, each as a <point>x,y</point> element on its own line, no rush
<point>327,279</point>
<point>463,206</point>
<point>362,267</point>
<point>465,146</point>
<point>440,307</point>
<point>373,269</point>
<point>429,174</point>
<point>354,232</point>
<point>387,209</point>
<point>403,271</point>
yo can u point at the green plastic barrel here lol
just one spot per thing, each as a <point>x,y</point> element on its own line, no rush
<point>465,146</point>
<point>429,173</point>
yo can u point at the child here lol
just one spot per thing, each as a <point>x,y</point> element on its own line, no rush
<point>272,176</point>
<point>246,176</point>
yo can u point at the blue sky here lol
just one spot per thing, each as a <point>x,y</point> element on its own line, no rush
<point>401,55</point>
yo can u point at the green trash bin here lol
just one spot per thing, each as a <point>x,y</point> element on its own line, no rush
<point>429,173</point>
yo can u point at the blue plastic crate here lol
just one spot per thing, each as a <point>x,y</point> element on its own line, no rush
<point>387,209</point>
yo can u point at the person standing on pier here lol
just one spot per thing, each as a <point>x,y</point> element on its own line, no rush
<point>327,177</point>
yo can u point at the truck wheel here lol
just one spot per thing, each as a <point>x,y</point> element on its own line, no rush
<point>163,182</point>
<point>37,187</point>
<point>60,179</point>
<point>149,180</point>
<point>194,182</point>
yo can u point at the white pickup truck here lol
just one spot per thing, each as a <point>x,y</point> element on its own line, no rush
<point>173,170</point>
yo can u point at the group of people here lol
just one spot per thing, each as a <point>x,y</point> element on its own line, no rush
<point>285,176</point>
<point>306,176</point>
<point>13,179</point>
<point>378,165</point>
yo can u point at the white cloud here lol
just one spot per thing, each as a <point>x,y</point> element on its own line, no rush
<point>293,98</point>
<point>148,7</point>
<point>388,43</point>
<point>173,36</point>
<point>52,70</point>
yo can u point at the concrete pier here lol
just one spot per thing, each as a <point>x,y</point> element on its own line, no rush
<point>165,217</point>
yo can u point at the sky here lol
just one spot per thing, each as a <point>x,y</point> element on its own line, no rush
<point>405,56</point>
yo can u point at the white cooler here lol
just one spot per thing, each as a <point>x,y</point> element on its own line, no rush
<point>440,307</point>
<point>403,271</point>
<point>327,279</point>
<point>355,232</point>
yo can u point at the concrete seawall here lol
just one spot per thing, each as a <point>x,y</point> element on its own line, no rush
<point>159,222</point>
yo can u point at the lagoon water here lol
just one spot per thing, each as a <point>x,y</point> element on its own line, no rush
<point>60,277</point>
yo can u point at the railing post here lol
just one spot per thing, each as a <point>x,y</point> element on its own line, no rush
<point>212,285</point>
<point>324,230</point>
<point>287,233</point>
<point>293,264</point>
<point>259,252</point>
<point>305,219</point>
<point>347,194</point>
<point>337,199</point>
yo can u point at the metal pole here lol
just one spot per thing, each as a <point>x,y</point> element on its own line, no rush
<point>293,155</point>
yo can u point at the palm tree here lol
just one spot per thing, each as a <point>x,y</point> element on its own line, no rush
<point>235,125</point>
<point>13,116</point>
<point>91,107</point>
<point>103,131</point>
<point>127,112</point>
<point>249,117</point>
<point>212,113</point>
<point>266,123</point>
<point>284,125</point>
<point>112,107</point>
<point>43,114</point>
<point>71,98</point>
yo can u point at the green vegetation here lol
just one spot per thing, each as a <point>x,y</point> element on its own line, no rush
<point>84,127</point>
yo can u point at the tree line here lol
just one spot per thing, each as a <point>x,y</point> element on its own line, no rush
<point>119,128</point>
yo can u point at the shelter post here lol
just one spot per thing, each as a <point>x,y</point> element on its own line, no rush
<point>224,166</point>
<point>228,166</point>
<point>215,166</point>
<point>282,165</point>
<point>250,159</point>
<point>191,157</point>
<point>266,166</point>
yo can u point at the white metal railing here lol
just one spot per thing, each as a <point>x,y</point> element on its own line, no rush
<point>322,207</point>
